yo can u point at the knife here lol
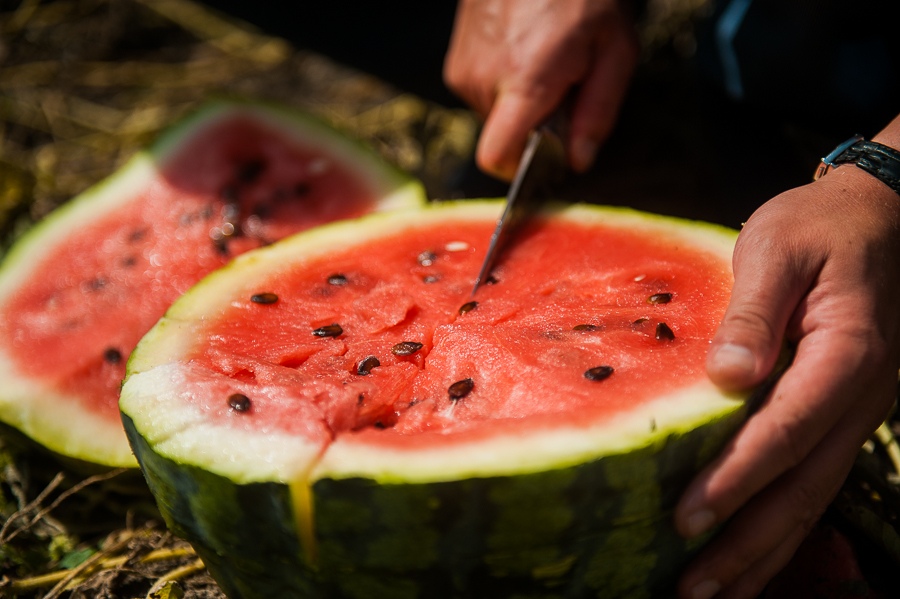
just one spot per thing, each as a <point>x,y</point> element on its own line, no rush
<point>543,163</point>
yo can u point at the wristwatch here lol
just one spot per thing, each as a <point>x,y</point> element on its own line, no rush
<point>877,159</point>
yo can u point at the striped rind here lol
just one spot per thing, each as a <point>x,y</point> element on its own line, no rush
<point>598,529</point>
<point>54,420</point>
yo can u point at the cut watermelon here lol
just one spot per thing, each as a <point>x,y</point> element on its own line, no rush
<point>80,289</point>
<point>335,415</point>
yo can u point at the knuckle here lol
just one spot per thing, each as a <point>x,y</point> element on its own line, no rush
<point>750,318</point>
<point>808,502</point>
<point>788,444</point>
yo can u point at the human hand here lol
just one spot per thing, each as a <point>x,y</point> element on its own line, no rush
<point>514,61</point>
<point>820,266</point>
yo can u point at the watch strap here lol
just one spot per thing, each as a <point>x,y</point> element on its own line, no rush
<point>879,160</point>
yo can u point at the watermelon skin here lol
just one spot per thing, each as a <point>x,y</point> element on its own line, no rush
<point>600,529</point>
<point>71,411</point>
<point>587,523</point>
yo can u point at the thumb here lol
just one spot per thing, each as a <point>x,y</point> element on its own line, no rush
<point>768,287</point>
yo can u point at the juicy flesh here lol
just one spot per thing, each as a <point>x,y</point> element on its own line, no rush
<point>237,185</point>
<point>519,345</point>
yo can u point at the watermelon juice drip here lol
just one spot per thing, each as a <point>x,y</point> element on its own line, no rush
<point>565,301</point>
<point>235,186</point>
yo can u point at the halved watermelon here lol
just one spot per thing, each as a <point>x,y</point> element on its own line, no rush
<point>335,415</point>
<point>81,288</point>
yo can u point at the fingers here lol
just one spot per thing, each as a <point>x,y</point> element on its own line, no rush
<point>785,466</point>
<point>601,94</point>
<point>780,436</point>
<point>764,535</point>
<point>506,128</point>
<point>768,283</point>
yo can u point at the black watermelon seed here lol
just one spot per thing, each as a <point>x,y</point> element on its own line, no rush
<point>96,284</point>
<point>337,279</point>
<point>664,333</point>
<point>137,235</point>
<point>263,211</point>
<point>491,280</point>
<point>264,298</point>
<point>406,348</point>
<point>221,247</point>
<point>467,307</point>
<point>431,279</point>
<point>426,258</point>
<point>229,194</point>
<point>460,389</point>
<point>367,364</point>
<point>329,330</point>
<point>660,298</point>
<point>598,373</point>
<point>239,402</point>
<point>112,356</point>
<point>248,173</point>
<point>586,327</point>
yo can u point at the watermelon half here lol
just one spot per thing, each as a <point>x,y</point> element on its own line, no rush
<point>336,415</point>
<point>81,288</point>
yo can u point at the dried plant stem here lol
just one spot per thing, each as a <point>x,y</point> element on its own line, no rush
<point>105,563</point>
<point>89,564</point>
<point>176,574</point>
<point>887,439</point>
<point>6,536</point>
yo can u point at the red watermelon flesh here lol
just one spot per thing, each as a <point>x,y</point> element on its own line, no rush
<point>238,178</point>
<point>316,361</point>
<point>517,343</point>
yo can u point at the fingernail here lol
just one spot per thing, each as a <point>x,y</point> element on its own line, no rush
<point>583,153</point>
<point>699,522</point>
<point>735,359</point>
<point>705,590</point>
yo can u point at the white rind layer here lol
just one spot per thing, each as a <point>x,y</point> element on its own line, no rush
<point>149,400</point>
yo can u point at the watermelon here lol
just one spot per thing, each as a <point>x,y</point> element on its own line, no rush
<point>79,290</point>
<point>337,415</point>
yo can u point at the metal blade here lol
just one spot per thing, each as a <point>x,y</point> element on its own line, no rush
<point>542,164</point>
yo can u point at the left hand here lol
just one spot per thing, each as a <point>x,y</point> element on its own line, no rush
<point>818,265</point>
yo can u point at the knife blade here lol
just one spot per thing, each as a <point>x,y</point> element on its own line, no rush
<point>543,163</point>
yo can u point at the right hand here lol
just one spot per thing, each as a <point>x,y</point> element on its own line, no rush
<point>514,61</point>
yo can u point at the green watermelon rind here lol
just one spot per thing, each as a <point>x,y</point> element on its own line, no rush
<point>564,529</point>
<point>48,417</point>
<point>594,521</point>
